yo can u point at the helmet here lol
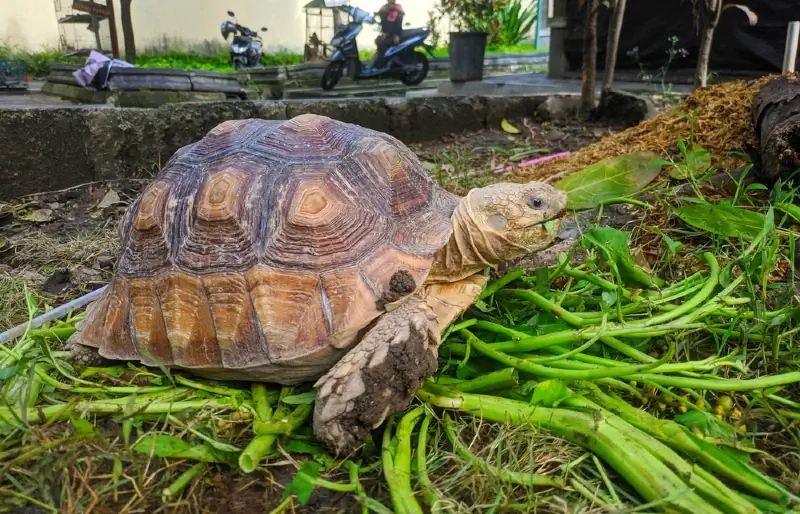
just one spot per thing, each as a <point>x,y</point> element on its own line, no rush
<point>227,28</point>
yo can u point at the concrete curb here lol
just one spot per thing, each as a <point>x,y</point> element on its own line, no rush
<point>53,148</point>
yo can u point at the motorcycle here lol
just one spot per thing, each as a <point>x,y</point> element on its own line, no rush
<point>401,61</point>
<point>246,45</point>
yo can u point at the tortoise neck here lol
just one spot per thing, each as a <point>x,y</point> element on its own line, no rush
<point>471,248</point>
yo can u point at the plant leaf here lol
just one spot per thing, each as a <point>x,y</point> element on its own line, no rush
<point>707,424</point>
<point>296,446</point>
<point>82,426</point>
<point>722,220</point>
<point>752,18</point>
<point>550,393</point>
<point>790,209</point>
<point>610,178</point>
<point>110,198</point>
<point>168,446</point>
<point>303,484</point>
<point>6,373</point>
<point>508,127</point>
<point>613,244</point>
<point>38,216</point>
<point>300,399</point>
<point>163,445</point>
<point>696,162</point>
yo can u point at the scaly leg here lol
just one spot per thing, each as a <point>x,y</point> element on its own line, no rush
<point>381,374</point>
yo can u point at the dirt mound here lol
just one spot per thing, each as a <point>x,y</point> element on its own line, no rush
<point>716,117</point>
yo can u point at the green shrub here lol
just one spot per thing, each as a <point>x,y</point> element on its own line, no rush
<point>514,22</point>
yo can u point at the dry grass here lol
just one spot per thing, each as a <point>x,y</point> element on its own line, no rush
<point>38,254</point>
<point>717,117</point>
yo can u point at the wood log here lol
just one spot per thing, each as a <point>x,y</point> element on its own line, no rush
<point>776,119</point>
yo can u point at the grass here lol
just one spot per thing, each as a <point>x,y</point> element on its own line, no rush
<point>658,374</point>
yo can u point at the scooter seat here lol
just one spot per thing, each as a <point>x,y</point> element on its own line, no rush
<point>408,34</point>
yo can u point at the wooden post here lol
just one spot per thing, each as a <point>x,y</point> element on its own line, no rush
<point>790,52</point>
<point>612,44</point>
<point>557,21</point>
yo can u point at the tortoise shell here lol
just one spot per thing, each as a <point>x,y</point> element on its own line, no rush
<point>267,246</point>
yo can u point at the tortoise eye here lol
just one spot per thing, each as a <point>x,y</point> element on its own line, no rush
<point>534,202</point>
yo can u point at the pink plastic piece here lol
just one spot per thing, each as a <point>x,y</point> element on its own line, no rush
<point>533,162</point>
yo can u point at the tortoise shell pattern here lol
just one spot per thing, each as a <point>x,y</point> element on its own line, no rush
<point>267,244</point>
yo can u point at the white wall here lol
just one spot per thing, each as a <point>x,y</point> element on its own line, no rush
<point>30,24</point>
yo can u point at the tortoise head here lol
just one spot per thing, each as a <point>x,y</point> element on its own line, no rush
<point>518,218</point>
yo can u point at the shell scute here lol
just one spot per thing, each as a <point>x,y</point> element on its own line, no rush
<point>290,309</point>
<point>190,329</point>
<point>221,220</point>
<point>319,224</point>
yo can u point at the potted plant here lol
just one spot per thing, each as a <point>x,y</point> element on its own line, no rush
<point>473,19</point>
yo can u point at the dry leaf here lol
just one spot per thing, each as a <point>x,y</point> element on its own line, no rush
<point>38,216</point>
<point>110,198</point>
<point>508,127</point>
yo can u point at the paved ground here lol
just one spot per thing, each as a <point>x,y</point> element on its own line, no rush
<point>516,84</point>
<point>30,99</point>
<point>539,83</point>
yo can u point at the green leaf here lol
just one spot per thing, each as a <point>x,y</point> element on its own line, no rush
<point>722,220</point>
<point>302,485</point>
<point>295,446</point>
<point>706,424</point>
<point>168,446</point>
<point>610,178</point>
<point>300,399</point>
<point>673,247</point>
<point>790,209</point>
<point>609,298</point>
<point>696,162</point>
<point>82,426</point>
<point>550,393</point>
<point>6,373</point>
<point>613,244</point>
<point>163,445</point>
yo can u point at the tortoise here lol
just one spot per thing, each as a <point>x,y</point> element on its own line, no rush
<point>306,250</point>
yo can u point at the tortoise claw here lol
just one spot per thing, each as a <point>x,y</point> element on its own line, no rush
<point>377,378</point>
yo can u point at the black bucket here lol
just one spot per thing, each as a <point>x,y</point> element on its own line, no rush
<point>466,51</point>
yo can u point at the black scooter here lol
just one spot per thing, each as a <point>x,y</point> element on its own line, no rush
<point>401,61</point>
<point>246,46</point>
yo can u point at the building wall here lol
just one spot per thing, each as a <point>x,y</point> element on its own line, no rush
<point>31,24</point>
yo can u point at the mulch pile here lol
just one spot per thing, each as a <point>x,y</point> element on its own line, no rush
<point>719,115</point>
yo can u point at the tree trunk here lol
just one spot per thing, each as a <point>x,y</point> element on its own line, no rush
<point>612,45</point>
<point>776,118</point>
<point>589,56</point>
<point>710,11</point>
<point>127,31</point>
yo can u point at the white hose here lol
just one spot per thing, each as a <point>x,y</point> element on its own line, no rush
<point>56,313</point>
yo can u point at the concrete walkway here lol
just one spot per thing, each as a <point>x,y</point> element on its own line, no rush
<point>32,98</point>
<point>539,83</point>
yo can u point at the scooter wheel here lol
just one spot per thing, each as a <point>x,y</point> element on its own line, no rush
<point>415,78</point>
<point>331,76</point>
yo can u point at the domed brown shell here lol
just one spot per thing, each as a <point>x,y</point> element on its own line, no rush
<point>261,251</point>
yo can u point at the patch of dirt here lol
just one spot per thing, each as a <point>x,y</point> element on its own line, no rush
<point>60,244</point>
<point>460,162</point>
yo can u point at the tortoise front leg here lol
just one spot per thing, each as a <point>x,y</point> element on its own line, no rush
<point>382,373</point>
<point>378,377</point>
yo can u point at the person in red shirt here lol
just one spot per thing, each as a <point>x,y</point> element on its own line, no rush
<point>391,15</point>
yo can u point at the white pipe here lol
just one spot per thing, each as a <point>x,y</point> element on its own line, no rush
<point>56,313</point>
<point>790,52</point>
